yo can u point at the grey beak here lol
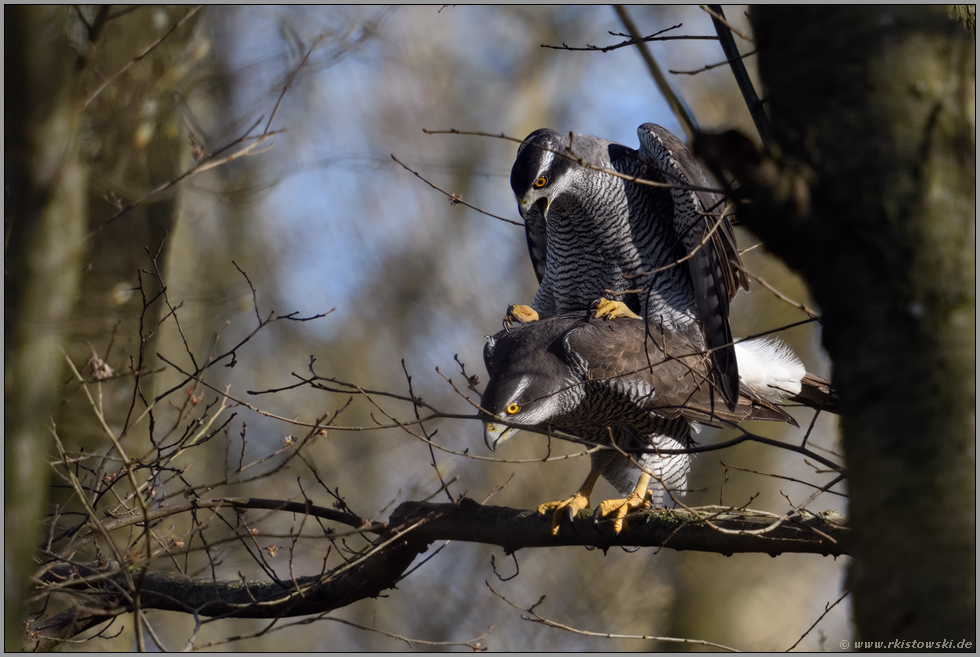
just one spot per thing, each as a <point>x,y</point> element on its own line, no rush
<point>494,434</point>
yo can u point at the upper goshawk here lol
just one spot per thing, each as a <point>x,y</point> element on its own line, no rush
<point>587,230</point>
<point>625,382</point>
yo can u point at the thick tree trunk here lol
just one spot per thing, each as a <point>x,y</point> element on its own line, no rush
<point>44,219</point>
<point>873,109</point>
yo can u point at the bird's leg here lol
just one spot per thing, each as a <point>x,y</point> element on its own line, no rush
<point>520,314</point>
<point>616,510</point>
<point>608,309</point>
<point>569,508</point>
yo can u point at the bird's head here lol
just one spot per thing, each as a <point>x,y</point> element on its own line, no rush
<point>526,387</point>
<point>540,172</point>
<point>522,398</point>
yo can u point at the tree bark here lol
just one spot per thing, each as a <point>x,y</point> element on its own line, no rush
<point>872,199</point>
<point>413,526</point>
<point>44,219</point>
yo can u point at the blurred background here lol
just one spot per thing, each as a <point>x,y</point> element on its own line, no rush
<point>326,219</point>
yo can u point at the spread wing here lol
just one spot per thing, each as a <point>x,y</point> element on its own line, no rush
<point>714,264</point>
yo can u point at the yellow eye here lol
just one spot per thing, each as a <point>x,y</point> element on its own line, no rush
<point>513,409</point>
<point>541,182</point>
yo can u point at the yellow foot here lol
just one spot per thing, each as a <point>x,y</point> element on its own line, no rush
<point>520,314</point>
<point>616,510</point>
<point>608,309</point>
<point>566,509</point>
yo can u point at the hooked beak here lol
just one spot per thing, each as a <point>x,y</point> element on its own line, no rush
<point>494,434</point>
<point>541,205</point>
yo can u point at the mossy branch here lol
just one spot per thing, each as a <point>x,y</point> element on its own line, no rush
<point>412,527</point>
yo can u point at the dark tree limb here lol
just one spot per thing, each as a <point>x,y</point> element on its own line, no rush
<point>677,104</point>
<point>741,75</point>
<point>412,527</point>
<point>514,529</point>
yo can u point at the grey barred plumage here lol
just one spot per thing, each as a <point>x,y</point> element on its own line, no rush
<point>588,230</point>
<point>624,382</point>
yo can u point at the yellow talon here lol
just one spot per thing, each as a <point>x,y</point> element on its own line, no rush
<point>616,510</point>
<point>608,309</point>
<point>568,508</point>
<point>520,314</point>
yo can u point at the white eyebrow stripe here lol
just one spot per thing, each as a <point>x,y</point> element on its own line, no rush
<point>524,383</point>
<point>546,161</point>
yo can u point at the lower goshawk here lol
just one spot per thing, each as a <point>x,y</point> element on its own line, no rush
<point>628,383</point>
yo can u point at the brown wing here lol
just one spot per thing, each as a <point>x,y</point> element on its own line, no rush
<point>662,372</point>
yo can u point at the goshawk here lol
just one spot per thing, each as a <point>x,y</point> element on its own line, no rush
<point>626,383</point>
<point>669,248</point>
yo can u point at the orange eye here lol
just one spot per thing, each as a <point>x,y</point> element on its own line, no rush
<point>541,182</point>
<point>513,409</point>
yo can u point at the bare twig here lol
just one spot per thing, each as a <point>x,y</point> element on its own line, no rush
<point>717,15</point>
<point>290,79</point>
<point>796,304</point>
<point>146,51</point>
<point>677,104</point>
<point>776,476</point>
<point>578,160</point>
<point>453,198</point>
<point>633,41</point>
<point>826,611</point>
<point>712,66</point>
<point>208,163</point>
<point>537,618</point>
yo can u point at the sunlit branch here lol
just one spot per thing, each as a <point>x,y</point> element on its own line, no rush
<point>453,198</point>
<point>578,160</point>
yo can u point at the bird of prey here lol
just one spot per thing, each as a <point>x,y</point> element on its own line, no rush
<point>588,230</point>
<point>628,383</point>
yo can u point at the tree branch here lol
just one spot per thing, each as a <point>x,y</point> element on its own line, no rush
<point>415,525</point>
<point>752,101</point>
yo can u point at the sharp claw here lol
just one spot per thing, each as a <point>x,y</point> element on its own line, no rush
<point>564,509</point>
<point>608,309</point>
<point>617,510</point>
<point>570,513</point>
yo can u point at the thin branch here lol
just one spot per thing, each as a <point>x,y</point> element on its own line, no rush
<point>290,79</point>
<point>752,101</point>
<point>783,477</point>
<point>453,198</point>
<point>826,611</point>
<point>712,66</point>
<point>210,162</point>
<point>146,51</point>
<point>537,618</point>
<point>716,13</point>
<point>677,104</point>
<point>796,304</point>
<point>567,154</point>
<point>634,41</point>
